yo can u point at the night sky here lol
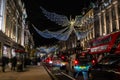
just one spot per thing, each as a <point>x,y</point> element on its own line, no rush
<point>61,7</point>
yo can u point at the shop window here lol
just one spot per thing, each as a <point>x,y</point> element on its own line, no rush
<point>114,25</point>
<point>119,10</point>
<point>113,14</point>
<point>108,22</point>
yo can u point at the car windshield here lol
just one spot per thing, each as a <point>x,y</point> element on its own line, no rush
<point>55,58</point>
<point>83,59</point>
<point>111,59</point>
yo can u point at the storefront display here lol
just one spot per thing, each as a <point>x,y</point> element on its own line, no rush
<point>6,51</point>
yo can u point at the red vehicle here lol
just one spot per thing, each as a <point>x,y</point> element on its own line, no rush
<point>105,45</point>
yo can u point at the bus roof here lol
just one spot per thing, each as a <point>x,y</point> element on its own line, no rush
<point>106,36</point>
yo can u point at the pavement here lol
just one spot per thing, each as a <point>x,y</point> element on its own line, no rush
<point>31,73</point>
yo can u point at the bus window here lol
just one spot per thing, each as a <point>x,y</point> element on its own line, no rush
<point>101,41</point>
<point>106,40</point>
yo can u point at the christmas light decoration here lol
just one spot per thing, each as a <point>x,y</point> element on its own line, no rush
<point>69,24</point>
<point>47,49</point>
<point>60,35</point>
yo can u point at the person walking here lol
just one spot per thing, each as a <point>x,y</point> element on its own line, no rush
<point>4,62</point>
<point>14,63</point>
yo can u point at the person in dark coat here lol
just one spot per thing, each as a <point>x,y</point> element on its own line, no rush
<point>14,63</point>
<point>4,62</point>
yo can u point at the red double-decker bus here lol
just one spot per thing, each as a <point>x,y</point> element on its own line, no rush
<point>105,45</point>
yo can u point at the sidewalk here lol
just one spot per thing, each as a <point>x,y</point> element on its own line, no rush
<point>33,73</point>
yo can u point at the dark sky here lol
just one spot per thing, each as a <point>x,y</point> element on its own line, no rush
<point>62,7</point>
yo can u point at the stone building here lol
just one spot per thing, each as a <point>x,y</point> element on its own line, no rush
<point>12,27</point>
<point>108,14</point>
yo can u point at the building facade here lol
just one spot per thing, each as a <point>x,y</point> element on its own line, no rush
<point>87,24</point>
<point>108,14</point>
<point>12,27</point>
<point>29,43</point>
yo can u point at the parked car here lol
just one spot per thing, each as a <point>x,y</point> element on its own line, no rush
<point>107,69</point>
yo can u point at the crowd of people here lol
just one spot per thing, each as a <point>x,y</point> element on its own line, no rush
<point>17,63</point>
<point>12,63</point>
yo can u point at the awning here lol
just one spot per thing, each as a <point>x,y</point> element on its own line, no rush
<point>20,51</point>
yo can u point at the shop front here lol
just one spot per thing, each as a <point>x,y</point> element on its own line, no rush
<point>6,51</point>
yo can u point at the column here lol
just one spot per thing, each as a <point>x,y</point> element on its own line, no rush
<point>117,17</point>
<point>1,13</point>
<point>110,15</point>
<point>105,30</point>
<point>3,23</point>
<point>100,23</point>
<point>93,31</point>
<point>22,35</point>
<point>12,27</point>
<point>16,33</point>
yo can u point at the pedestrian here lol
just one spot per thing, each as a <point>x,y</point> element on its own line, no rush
<point>38,61</point>
<point>4,62</point>
<point>14,63</point>
<point>19,64</point>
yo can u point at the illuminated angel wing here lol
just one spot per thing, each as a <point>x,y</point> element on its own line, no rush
<point>58,19</point>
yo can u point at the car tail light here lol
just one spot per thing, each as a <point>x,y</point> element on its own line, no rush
<point>93,62</point>
<point>50,61</point>
<point>83,54</point>
<point>62,57</point>
<point>47,60</point>
<point>76,62</point>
